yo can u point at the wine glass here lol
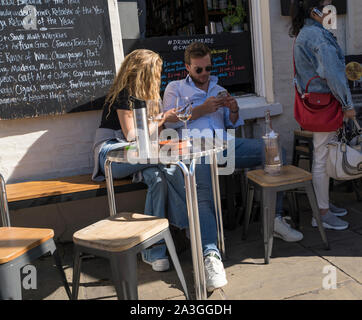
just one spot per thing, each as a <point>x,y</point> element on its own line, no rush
<point>154,115</point>
<point>155,110</point>
<point>184,112</point>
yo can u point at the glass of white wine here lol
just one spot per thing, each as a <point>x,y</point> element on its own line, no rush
<point>155,115</point>
<point>184,112</point>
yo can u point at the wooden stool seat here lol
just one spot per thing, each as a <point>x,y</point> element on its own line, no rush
<point>119,239</point>
<point>16,241</point>
<point>302,149</point>
<point>289,175</point>
<point>121,232</point>
<point>304,133</point>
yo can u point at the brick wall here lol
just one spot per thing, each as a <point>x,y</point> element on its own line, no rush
<point>47,147</point>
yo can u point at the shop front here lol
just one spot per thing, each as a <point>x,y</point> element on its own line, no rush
<point>167,27</point>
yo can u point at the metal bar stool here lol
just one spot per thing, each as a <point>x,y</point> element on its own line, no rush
<point>119,238</point>
<point>303,147</point>
<point>19,247</point>
<point>291,178</point>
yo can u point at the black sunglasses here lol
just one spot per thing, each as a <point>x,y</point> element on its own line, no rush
<point>207,69</point>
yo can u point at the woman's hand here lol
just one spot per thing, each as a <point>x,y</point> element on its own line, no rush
<point>170,116</point>
<point>350,114</point>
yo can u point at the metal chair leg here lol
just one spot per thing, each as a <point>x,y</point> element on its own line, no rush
<point>230,197</point>
<point>172,251</point>
<point>76,272</point>
<point>10,282</point>
<point>127,268</point>
<point>316,214</point>
<point>58,263</point>
<point>294,212</point>
<point>357,189</point>
<point>269,202</point>
<point>118,282</point>
<point>249,205</point>
<point>295,160</point>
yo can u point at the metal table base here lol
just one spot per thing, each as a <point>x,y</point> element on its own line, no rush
<point>193,216</point>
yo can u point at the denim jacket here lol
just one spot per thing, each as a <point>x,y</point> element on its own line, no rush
<point>317,53</point>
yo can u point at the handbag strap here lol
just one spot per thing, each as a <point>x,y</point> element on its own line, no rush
<point>359,129</point>
<point>344,130</point>
<point>295,69</point>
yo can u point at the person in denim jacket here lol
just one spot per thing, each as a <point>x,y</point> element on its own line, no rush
<point>317,53</point>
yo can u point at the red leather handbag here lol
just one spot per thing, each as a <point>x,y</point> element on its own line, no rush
<point>317,112</point>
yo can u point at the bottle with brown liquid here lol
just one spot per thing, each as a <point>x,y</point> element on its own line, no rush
<point>273,163</point>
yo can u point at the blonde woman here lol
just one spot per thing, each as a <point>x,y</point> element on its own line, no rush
<point>140,76</point>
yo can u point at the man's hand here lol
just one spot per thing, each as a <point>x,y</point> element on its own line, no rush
<point>212,104</point>
<point>350,114</point>
<point>230,102</point>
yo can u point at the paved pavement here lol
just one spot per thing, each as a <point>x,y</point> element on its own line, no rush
<point>297,271</point>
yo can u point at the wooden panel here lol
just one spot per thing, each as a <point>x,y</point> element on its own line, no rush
<point>304,133</point>
<point>302,149</point>
<point>16,241</point>
<point>121,232</point>
<point>289,175</point>
<point>60,186</point>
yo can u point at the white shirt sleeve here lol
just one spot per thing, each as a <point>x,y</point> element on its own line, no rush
<point>169,102</point>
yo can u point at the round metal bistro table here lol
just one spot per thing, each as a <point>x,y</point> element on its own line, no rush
<point>185,156</point>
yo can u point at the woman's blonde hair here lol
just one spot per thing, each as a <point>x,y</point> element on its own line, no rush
<point>140,75</point>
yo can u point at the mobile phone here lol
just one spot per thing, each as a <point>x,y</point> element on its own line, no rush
<point>222,93</point>
<point>318,12</point>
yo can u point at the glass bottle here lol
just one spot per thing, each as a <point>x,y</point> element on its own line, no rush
<point>273,163</point>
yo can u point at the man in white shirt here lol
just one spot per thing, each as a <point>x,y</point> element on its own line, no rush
<point>218,114</point>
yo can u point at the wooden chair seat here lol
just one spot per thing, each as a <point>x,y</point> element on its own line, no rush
<point>14,242</point>
<point>303,149</point>
<point>304,133</point>
<point>121,232</point>
<point>289,175</point>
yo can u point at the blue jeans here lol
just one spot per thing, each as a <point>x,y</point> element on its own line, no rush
<point>166,198</point>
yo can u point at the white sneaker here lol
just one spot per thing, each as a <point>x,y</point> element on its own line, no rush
<point>285,232</point>
<point>159,265</point>
<point>214,272</point>
<point>338,212</point>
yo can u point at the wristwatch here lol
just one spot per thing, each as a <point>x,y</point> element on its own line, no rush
<point>236,111</point>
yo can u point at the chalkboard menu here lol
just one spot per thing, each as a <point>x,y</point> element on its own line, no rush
<point>231,56</point>
<point>56,56</point>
